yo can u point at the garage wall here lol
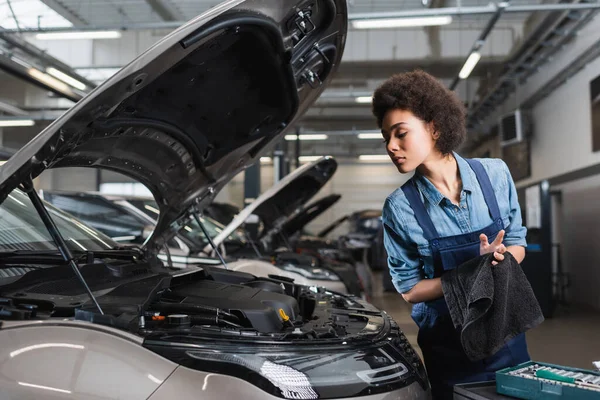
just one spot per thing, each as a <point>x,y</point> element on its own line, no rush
<point>562,143</point>
<point>562,129</point>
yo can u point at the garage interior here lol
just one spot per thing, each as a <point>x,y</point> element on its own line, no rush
<point>533,63</point>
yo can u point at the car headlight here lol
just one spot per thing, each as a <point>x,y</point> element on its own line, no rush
<point>312,273</point>
<point>314,374</point>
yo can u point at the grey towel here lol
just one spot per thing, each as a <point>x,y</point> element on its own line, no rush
<point>490,304</point>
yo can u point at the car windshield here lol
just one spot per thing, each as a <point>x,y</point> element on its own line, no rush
<point>102,214</point>
<point>21,228</point>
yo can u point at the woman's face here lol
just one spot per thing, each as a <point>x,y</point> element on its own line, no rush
<point>409,140</point>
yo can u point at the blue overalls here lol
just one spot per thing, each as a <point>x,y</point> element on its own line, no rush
<point>445,359</point>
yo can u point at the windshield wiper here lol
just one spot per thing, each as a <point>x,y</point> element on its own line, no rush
<point>53,257</point>
<point>57,237</point>
<point>43,257</point>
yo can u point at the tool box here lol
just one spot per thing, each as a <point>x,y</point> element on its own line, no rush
<point>537,380</point>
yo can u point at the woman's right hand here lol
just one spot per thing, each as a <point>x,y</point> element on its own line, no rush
<point>495,247</point>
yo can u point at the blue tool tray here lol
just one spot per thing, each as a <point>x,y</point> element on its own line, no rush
<point>526,385</point>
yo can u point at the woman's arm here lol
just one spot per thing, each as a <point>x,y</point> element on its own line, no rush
<point>518,252</point>
<point>404,261</point>
<point>425,290</point>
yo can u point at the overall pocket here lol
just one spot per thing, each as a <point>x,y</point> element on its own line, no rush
<point>454,256</point>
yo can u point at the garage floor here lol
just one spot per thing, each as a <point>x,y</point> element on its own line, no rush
<point>571,337</point>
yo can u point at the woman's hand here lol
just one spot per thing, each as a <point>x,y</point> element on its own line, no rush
<point>495,247</point>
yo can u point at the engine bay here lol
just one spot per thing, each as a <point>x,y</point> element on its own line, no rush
<point>205,299</point>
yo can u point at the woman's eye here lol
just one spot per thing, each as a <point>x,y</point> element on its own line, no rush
<point>400,135</point>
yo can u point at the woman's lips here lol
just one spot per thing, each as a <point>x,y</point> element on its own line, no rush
<point>399,160</point>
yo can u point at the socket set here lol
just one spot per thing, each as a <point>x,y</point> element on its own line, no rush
<point>537,380</point>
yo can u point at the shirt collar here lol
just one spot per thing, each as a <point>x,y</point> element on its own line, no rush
<point>433,195</point>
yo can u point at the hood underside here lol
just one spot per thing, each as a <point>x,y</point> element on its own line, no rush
<point>275,205</point>
<point>308,214</point>
<point>199,106</point>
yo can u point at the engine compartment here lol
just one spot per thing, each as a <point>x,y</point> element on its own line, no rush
<point>135,298</point>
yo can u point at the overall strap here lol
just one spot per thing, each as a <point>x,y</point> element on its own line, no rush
<point>486,188</point>
<point>414,199</point>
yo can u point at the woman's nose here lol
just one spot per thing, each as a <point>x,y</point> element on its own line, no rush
<point>392,146</point>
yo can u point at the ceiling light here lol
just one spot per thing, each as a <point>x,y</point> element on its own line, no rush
<point>469,65</point>
<point>65,78</point>
<point>374,157</point>
<point>309,158</point>
<point>48,80</point>
<point>306,137</point>
<point>373,135</point>
<point>266,159</point>
<point>16,122</point>
<point>382,23</point>
<point>78,35</point>
<point>364,99</point>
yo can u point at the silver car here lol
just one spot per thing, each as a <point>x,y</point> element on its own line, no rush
<point>84,318</point>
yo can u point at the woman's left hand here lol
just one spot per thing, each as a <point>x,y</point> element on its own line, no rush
<point>495,247</point>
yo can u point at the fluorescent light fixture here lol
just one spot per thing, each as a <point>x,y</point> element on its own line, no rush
<point>266,159</point>
<point>469,65</point>
<point>363,99</point>
<point>16,122</point>
<point>65,78</point>
<point>374,157</point>
<point>306,137</point>
<point>309,158</point>
<point>373,135</point>
<point>152,209</point>
<point>72,35</point>
<point>48,80</point>
<point>384,23</point>
<point>122,238</point>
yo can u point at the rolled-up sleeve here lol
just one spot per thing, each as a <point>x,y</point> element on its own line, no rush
<point>405,265</point>
<point>515,231</point>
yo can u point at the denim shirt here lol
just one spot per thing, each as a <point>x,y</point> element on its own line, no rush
<point>409,256</point>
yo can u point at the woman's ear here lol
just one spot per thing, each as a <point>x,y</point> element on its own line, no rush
<point>435,134</point>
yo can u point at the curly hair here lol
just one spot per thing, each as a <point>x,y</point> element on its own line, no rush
<point>429,100</point>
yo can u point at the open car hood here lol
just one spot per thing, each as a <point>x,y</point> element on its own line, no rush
<point>353,217</point>
<point>275,206</point>
<point>308,214</point>
<point>199,106</point>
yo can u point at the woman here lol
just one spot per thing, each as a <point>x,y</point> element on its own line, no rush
<point>452,210</point>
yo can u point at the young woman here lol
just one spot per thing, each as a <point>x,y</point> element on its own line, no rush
<point>451,210</point>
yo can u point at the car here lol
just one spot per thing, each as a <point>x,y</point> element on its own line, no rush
<point>267,218</point>
<point>85,317</point>
<point>137,216</point>
<point>221,212</point>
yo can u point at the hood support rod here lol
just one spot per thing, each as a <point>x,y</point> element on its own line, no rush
<point>57,237</point>
<point>212,244</point>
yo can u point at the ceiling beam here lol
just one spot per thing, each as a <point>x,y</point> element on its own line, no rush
<point>425,12</point>
<point>68,14</point>
<point>10,109</point>
<point>166,10</point>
